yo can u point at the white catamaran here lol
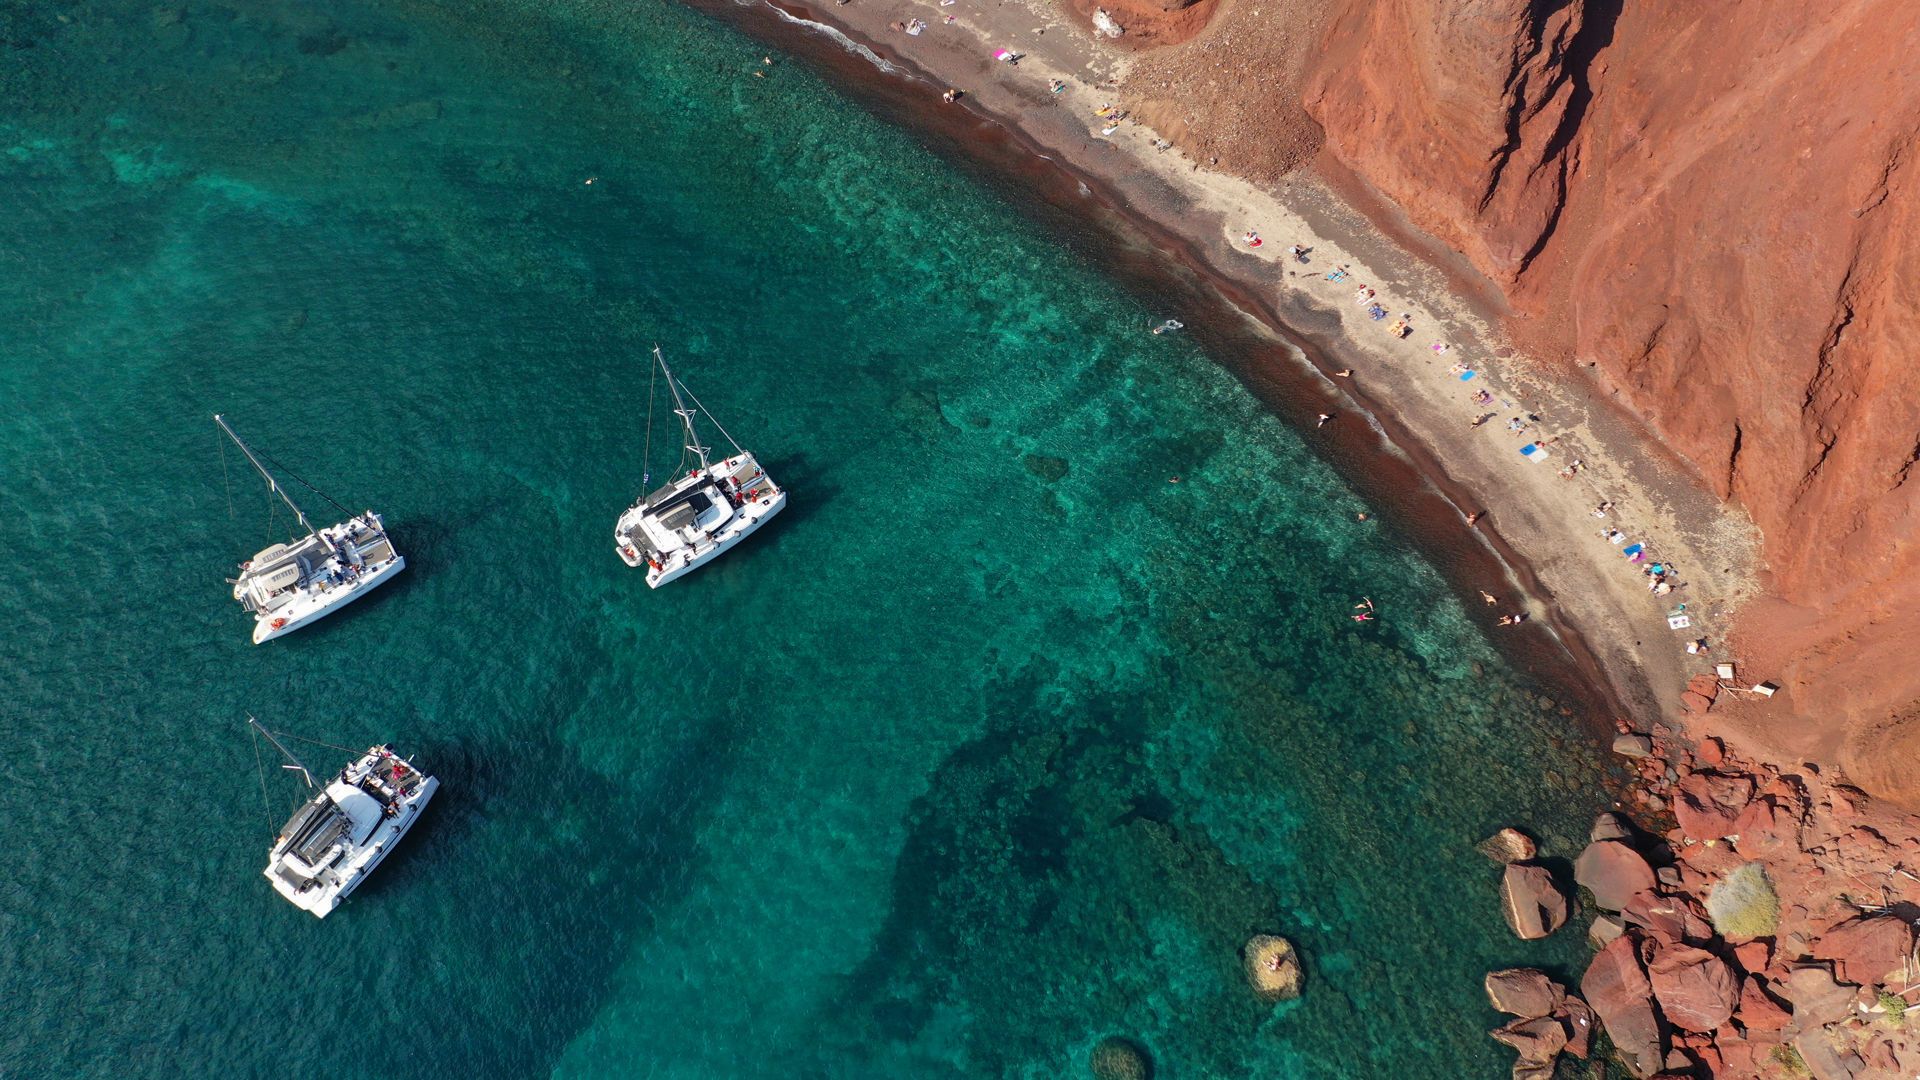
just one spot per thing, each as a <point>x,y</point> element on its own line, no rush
<point>704,510</point>
<point>336,839</point>
<point>290,585</point>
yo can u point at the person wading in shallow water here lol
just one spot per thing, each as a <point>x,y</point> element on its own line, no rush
<point>1323,420</point>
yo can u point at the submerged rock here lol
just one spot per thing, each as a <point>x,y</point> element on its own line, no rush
<point>1507,846</point>
<point>1117,1058</point>
<point>1273,967</point>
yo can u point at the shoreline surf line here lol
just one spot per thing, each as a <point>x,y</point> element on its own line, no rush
<point>1390,467</point>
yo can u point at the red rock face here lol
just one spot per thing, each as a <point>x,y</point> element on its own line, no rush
<point>1715,204</point>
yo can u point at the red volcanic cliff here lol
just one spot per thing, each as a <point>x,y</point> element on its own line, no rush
<point>1715,204</point>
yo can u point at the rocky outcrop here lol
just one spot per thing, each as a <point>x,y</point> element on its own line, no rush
<point>1534,905</point>
<point>1549,1021</point>
<point>1707,805</point>
<point>1689,199</point>
<point>1273,967</point>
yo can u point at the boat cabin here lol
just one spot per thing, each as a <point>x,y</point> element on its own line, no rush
<point>676,522</point>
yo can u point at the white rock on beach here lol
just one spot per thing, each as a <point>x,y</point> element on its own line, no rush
<point>1104,23</point>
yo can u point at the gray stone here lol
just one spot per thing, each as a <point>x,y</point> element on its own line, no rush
<point>1633,745</point>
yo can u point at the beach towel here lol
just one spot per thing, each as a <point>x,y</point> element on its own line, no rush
<point>1533,452</point>
<point>1678,622</point>
<point>1633,550</point>
<point>1465,375</point>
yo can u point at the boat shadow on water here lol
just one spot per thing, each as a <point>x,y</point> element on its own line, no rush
<point>807,494</point>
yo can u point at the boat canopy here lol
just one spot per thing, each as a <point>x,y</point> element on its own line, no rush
<point>269,556</point>
<point>280,577</point>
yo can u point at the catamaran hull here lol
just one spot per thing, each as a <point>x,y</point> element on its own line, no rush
<point>264,630</point>
<point>657,578</point>
<point>321,903</point>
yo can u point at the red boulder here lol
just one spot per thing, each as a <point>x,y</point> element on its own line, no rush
<point>1616,986</point>
<point>1524,992</point>
<point>1695,988</point>
<point>1757,1011</point>
<point>1613,872</point>
<point>1533,904</point>
<point>1866,949</point>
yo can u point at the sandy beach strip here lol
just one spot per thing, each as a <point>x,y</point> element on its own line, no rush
<point>1403,420</point>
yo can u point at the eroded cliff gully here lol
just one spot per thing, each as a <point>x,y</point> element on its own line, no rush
<point>1712,206</point>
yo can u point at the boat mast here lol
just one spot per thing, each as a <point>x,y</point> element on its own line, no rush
<point>272,485</point>
<point>685,414</point>
<point>262,729</point>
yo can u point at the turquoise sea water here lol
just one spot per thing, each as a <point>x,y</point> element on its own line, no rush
<point>994,744</point>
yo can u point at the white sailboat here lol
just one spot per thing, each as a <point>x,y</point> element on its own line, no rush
<point>705,510</point>
<point>286,586</point>
<point>337,837</point>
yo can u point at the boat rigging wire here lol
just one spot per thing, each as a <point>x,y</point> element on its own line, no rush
<point>226,478</point>
<point>646,451</point>
<point>260,767</point>
<point>711,420</point>
<point>291,475</point>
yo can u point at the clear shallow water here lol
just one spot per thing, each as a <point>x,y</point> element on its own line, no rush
<point>993,744</point>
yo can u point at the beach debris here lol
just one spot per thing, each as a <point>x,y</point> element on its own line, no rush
<point>1273,967</point>
<point>1118,1058</point>
<point>1105,24</point>
<point>1509,845</point>
<point>1533,904</point>
<point>1613,872</point>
